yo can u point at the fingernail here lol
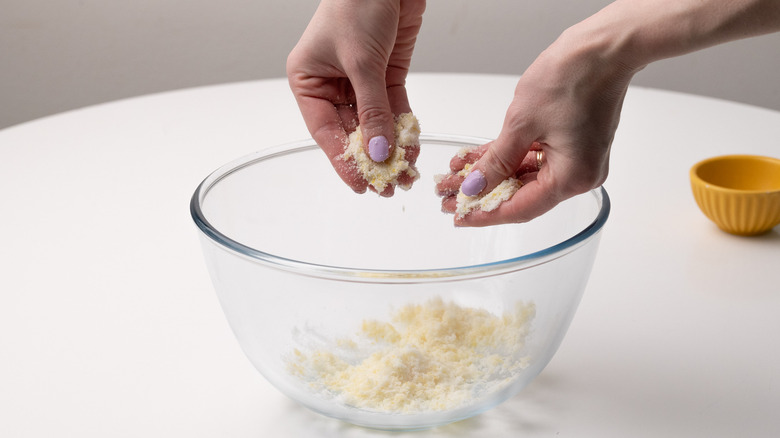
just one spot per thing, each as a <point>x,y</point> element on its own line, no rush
<point>473,184</point>
<point>378,148</point>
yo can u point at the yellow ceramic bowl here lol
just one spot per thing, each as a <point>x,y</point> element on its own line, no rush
<point>740,193</point>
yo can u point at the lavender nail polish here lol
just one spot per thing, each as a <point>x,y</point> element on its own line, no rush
<point>473,184</point>
<point>378,148</point>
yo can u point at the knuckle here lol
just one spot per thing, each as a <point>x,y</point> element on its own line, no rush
<point>499,164</point>
<point>363,62</point>
<point>374,116</point>
<point>586,178</point>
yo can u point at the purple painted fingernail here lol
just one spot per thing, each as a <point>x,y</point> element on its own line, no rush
<point>378,148</point>
<point>473,184</point>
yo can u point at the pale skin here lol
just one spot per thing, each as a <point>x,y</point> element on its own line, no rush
<point>350,68</point>
<point>567,102</point>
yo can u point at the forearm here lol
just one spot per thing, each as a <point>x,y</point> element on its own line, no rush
<point>635,33</point>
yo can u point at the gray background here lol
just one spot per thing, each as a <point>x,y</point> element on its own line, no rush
<point>65,54</point>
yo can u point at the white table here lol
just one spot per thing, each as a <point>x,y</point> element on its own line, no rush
<point>109,326</point>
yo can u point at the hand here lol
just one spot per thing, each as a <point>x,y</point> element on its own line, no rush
<point>569,100</point>
<point>448,186</point>
<point>350,68</point>
<point>567,104</point>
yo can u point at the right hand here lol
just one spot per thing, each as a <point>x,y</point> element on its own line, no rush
<point>569,100</point>
<point>568,104</point>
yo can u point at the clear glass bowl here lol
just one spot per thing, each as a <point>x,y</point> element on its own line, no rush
<point>378,311</point>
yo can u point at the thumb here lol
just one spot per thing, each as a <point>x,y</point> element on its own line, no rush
<point>376,119</point>
<point>502,159</point>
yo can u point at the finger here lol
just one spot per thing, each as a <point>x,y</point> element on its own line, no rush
<point>501,160</point>
<point>532,162</point>
<point>448,184</point>
<point>532,200</point>
<point>325,123</point>
<point>411,153</point>
<point>348,115</point>
<point>451,182</point>
<point>407,179</point>
<point>387,192</point>
<point>528,177</point>
<point>449,204</point>
<point>377,121</point>
<point>467,156</point>
<point>399,101</point>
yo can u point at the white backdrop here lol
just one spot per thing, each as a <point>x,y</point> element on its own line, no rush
<point>65,54</point>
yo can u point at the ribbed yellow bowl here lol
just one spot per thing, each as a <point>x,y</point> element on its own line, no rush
<point>740,193</point>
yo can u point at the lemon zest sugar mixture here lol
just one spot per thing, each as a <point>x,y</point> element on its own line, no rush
<point>429,357</point>
<point>465,204</point>
<point>380,175</point>
<point>488,202</point>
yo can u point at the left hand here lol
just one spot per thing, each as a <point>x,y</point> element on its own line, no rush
<point>348,69</point>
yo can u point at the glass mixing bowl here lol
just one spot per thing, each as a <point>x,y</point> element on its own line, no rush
<point>378,311</point>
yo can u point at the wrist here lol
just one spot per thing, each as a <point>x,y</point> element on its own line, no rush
<point>635,33</point>
<point>611,45</point>
<point>592,56</point>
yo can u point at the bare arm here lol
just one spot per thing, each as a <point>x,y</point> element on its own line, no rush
<point>569,100</point>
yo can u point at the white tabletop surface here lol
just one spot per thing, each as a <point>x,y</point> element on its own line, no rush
<point>109,326</point>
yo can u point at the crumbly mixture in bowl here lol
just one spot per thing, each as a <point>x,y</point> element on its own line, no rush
<point>432,356</point>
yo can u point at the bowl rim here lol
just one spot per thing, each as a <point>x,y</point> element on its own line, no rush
<point>513,264</point>
<point>696,179</point>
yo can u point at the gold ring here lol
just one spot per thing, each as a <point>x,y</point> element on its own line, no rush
<point>539,159</point>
